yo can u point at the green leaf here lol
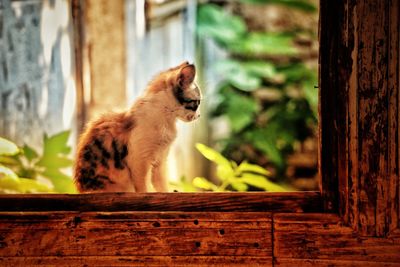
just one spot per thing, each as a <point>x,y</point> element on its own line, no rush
<point>265,144</point>
<point>264,44</point>
<point>213,155</point>
<point>303,5</point>
<point>296,72</point>
<point>62,183</point>
<point>311,93</point>
<point>237,75</point>
<point>8,148</point>
<point>241,111</point>
<point>29,153</point>
<point>55,150</point>
<point>203,183</point>
<point>55,162</point>
<point>261,182</point>
<point>239,186</point>
<point>261,69</point>
<point>247,167</point>
<point>213,21</point>
<point>56,144</point>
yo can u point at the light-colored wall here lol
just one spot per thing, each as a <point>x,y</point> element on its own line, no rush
<point>37,89</point>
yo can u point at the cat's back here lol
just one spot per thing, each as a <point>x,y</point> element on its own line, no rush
<point>101,151</point>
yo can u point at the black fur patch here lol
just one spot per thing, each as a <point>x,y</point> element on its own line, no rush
<point>93,182</point>
<point>119,154</point>
<point>124,151</point>
<point>103,151</point>
<point>128,124</point>
<point>179,95</point>
<point>104,162</point>
<point>87,155</point>
<point>90,183</point>
<point>188,103</point>
<point>192,104</point>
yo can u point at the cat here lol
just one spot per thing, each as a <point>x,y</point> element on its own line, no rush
<point>126,152</point>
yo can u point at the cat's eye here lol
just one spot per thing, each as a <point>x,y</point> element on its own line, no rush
<point>187,100</point>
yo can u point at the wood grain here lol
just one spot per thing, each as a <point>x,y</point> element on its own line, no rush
<point>330,263</point>
<point>331,102</point>
<point>78,28</point>
<point>282,202</point>
<point>137,261</point>
<point>393,196</point>
<point>135,234</point>
<point>324,236</point>
<point>359,105</point>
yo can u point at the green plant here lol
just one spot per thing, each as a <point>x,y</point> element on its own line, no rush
<point>270,103</point>
<point>237,177</point>
<point>24,170</point>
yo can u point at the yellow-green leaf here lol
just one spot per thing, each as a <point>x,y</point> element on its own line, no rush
<point>212,155</point>
<point>224,172</point>
<point>22,185</point>
<point>239,186</point>
<point>203,183</point>
<point>261,182</point>
<point>248,167</point>
<point>7,147</point>
<point>7,172</point>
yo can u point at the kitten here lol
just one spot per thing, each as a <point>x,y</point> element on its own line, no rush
<point>126,152</point>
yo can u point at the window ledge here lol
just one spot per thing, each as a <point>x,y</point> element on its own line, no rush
<point>250,201</point>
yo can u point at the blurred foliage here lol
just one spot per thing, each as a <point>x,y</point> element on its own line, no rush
<point>24,170</point>
<point>270,103</point>
<point>232,176</point>
<point>303,5</point>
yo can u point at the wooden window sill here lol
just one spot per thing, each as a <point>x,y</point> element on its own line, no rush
<point>244,202</point>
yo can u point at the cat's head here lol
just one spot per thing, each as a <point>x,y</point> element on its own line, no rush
<point>186,92</point>
<point>183,95</point>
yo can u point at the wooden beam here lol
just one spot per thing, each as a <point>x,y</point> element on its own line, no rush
<point>125,234</point>
<point>324,236</point>
<point>278,202</point>
<point>138,261</point>
<point>359,104</point>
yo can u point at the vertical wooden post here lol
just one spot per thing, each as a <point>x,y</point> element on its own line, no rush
<point>78,28</point>
<point>360,107</point>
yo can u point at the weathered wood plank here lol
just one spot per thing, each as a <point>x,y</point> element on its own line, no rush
<point>393,196</point>
<point>138,261</point>
<point>135,234</point>
<point>79,56</point>
<point>328,84</point>
<point>282,202</point>
<point>349,179</point>
<point>323,236</point>
<point>373,115</point>
<point>359,98</point>
<point>331,263</point>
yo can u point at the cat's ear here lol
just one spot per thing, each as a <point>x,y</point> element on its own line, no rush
<point>186,75</point>
<point>184,63</point>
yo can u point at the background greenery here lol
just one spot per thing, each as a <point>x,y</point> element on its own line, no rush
<point>25,170</point>
<point>268,95</point>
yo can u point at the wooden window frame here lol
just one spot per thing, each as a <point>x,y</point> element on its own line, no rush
<point>354,220</point>
<point>334,142</point>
